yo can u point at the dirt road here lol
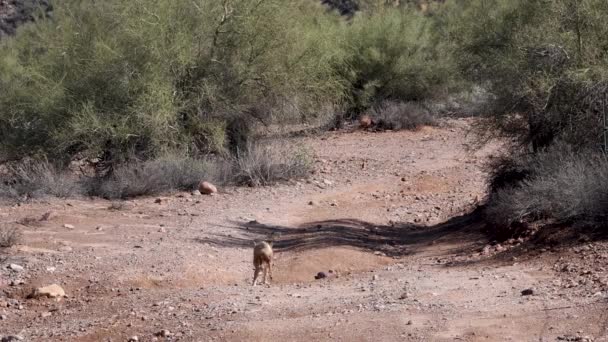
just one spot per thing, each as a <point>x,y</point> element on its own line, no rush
<point>387,217</point>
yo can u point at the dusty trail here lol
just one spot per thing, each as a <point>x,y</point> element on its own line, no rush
<point>388,217</point>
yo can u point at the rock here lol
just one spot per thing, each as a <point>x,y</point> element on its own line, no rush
<point>46,314</point>
<point>65,249</point>
<point>375,277</point>
<point>321,275</point>
<point>68,226</point>
<point>11,338</point>
<point>164,333</point>
<point>313,203</point>
<point>3,317</point>
<point>527,292</point>
<point>207,188</point>
<point>365,121</point>
<point>133,339</point>
<point>162,230</point>
<point>327,182</point>
<point>196,193</point>
<point>15,267</point>
<point>51,291</point>
<point>410,322</point>
<point>51,269</point>
<point>158,201</point>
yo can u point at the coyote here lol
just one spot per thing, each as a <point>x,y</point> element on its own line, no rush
<point>262,259</point>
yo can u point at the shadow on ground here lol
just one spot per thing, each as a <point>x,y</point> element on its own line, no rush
<point>458,234</point>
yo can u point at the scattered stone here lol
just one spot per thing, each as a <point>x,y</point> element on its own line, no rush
<point>68,226</point>
<point>51,291</point>
<point>3,317</point>
<point>196,193</point>
<point>158,201</point>
<point>162,230</point>
<point>327,182</point>
<point>11,338</point>
<point>46,314</point>
<point>527,292</point>
<point>51,269</point>
<point>313,203</point>
<point>375,277</point>
<point>321,275</point>
<point>207,188</point>
<point>15,267</point>
<point>410,322</point>
<point>65,249</point>
<point>164,333</point>
<point>133,339</point>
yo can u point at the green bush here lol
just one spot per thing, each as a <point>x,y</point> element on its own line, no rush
<point>394,55</point>
<point>166,75</point>
<point>545,61</point>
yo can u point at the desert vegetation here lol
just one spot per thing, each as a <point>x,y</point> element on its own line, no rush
<point>180,90</point>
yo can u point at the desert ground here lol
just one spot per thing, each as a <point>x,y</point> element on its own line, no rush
<point>390,219</point>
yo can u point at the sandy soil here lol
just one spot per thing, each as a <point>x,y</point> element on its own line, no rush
<point>388,217</point>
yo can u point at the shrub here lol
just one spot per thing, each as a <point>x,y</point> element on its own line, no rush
<point>542,61</point>
<point>151,177</point>
<point>37,178</point>
<point>266,165</point>
<point>9,236</point>
<point>559,185</point>
<point>398,115</point>
<point>393,56</point>
<point>167,76</point>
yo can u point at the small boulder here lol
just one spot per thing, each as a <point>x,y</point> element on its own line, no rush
<point>164,333</point>
<point>15,267</point>
<point>527,292</point>
<point>321,275</point>
<point>68,226</point>
<point>133,339</point>
<point>207,188</point>
<point>51,291</point>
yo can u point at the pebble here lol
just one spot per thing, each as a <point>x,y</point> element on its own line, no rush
<point>133,339</point>
<point>68,226</point>
<point>164,333</point>
<point>320,275</point>
<point>527,292</point>
<point>15,267</point>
